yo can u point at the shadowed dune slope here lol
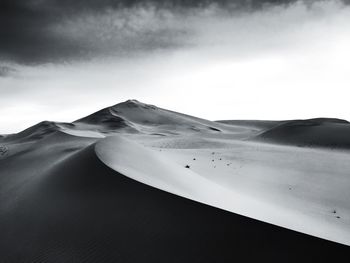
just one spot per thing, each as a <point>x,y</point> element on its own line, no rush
<point>320,132</point>
<point>80,210</point>
<point>37,132</point>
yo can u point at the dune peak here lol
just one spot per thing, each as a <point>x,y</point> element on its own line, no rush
<point>132,103</point>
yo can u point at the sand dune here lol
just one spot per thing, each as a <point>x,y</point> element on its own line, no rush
<point>321,132</point>
<point>220,187</point>
<point>137,117</point>
<point>87,213</point>
<point>259,125</point>
<point>37,131</point>
<point>137,183</point>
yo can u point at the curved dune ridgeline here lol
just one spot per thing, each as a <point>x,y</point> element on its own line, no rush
<point>171,189</point>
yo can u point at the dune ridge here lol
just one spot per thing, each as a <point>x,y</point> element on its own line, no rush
<point>152,168</point>
<point>88,213</point>
<point>137,183</point>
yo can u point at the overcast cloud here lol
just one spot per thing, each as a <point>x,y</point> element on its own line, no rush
<point>254,59</point>
<point>40,31</point>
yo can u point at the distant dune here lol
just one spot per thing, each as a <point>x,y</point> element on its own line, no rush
<point>320,132</point>
<point>260,125</point>
<point>134,116</point>
<point>137,183</point>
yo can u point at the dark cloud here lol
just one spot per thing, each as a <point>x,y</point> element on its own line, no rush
<point>29,35</point>
<point>25,31</point>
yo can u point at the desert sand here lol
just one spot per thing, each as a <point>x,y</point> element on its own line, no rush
<point>137,183</point>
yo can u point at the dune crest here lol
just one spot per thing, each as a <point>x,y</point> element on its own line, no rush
<point>154,168</point>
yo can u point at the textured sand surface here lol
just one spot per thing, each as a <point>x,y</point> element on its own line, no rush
<point>136,183</point>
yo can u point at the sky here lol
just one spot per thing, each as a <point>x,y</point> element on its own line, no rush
<point>61,60</point>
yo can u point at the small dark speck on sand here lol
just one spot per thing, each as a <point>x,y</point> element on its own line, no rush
<point>187,166</point>
<point>194,159</point>
<point>3,150</point>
